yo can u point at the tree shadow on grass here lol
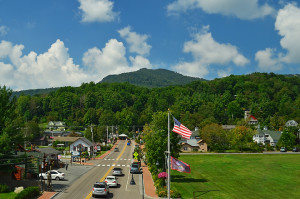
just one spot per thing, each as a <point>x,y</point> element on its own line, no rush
<point>183,179</point>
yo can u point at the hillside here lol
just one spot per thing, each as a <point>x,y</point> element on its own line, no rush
<point>151,78</point>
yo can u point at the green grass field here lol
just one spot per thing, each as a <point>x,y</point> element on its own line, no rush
<point>256,176</point>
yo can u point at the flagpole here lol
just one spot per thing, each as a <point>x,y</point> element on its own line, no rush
<point>169,153</point>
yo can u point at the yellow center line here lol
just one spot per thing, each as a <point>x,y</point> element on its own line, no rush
<point>102,179</point>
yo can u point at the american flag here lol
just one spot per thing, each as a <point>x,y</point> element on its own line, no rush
<point>181,129</point>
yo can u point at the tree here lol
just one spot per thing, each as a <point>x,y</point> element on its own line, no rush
<point>10,134</point>
<point>241,138</point>
<point>156,139</point>
<point>215,137</point>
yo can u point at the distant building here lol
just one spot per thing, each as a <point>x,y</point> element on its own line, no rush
<point>57,125</point>
<point>250,118</point>
<point>291,123</point>
<point>267,137</point>
<point>193,144</point>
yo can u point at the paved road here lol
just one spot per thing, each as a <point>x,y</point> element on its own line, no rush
<point>80,179</point>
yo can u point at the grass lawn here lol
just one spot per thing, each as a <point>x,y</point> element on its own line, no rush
<point>239,176</point>
<point>10,195</point>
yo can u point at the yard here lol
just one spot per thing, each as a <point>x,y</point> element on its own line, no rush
<point>239,176</point>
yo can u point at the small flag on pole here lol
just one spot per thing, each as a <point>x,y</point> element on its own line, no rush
<point>181,129</point>
<point>180,166</point>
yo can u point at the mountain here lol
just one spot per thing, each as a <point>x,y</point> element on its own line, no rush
<point>151,78</point>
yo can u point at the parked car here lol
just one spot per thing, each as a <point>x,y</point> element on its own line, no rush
<point>128,143</point>
<point>283,149</point>
<point>135,167</point>
<point>100,189</point>
<point>57,175</point>
<point>116,149</point>
<point>111,181</point>
<point>117,171</point>
<point>295,149</point>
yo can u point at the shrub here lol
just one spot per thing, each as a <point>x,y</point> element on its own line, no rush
<point>4,188</point>
<point>28,193</point>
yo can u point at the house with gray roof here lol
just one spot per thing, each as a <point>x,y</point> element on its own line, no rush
<point>267,137</point>
<point>193,144</point>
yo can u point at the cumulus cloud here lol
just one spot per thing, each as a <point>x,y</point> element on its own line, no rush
<point>111,60</point>
<point>288,26</point>
<point>137,42</point>
<point>267,61</point>
<point>248,10</point>
<point>97,10</point>
<point>51,69</point>
<point>207,51</point>
<point>3,30</point>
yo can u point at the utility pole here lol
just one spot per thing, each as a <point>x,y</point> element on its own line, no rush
<point>106,135</point>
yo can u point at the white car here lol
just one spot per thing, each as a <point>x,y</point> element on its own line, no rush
<point>111,181</point>
<point>57,175</point>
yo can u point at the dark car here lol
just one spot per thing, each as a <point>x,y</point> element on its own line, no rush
<point>116,149</point>
<point>100,189</point>
<point>295,149</point>
<point>135,167</point>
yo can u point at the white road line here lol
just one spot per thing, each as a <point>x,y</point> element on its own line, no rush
<point>123,165</point>
<point>108,165</point>
<point>103,165</point>
<point>118,165</point>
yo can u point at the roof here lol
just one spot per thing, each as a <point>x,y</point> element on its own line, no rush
<point>48,150</point>
<point>274,134</point>
<point>66,139</point>
<point>123,135</point>
<point>191,142</point>
<point>252,118</point>
<point>228,127</point>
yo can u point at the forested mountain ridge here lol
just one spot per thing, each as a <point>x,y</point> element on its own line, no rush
<point>272,99</point>
<point>151,78</point>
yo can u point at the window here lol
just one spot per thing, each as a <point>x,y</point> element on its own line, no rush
<point>185,148</point>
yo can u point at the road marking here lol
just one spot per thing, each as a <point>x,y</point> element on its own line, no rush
<point>123,165</point>
<point>102,179</point>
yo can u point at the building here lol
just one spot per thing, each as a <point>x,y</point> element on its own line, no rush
<point>57,125</point>
<point>81,144</point>
<point>193,144</point>
<point>267,137</point>
<point>250,118</point>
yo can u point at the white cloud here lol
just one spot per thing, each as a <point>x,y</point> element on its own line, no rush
<point>207,51</point>
<point>224,73</point>
<point>3,30</point>
<point>97,11</point>
<point>266,60</point>
<point>53,68</point>
<point>111,60</point>
<point>137,43</point>
<point>249,9</point>
<point>288,26</point>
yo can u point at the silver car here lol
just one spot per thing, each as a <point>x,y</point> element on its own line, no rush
<point>111,181</point>
<point>100,189</point>
<point>117,171</point>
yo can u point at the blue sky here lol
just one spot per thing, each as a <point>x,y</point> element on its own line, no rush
<point>54,43</point>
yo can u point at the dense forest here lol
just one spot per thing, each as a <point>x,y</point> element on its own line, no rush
<point>272,99</point>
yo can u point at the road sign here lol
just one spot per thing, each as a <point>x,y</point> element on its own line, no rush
<point>135,155</point>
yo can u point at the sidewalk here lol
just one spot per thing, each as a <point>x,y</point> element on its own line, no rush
<point>148,182</point>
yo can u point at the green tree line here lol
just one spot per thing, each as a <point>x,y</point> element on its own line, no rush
<point>272,99</point>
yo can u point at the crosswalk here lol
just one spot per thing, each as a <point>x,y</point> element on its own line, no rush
<point>115,165</point>
<point>115,159</point>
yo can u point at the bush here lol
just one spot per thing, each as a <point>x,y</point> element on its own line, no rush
<point>4,188</point>
<point>29,193</point>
